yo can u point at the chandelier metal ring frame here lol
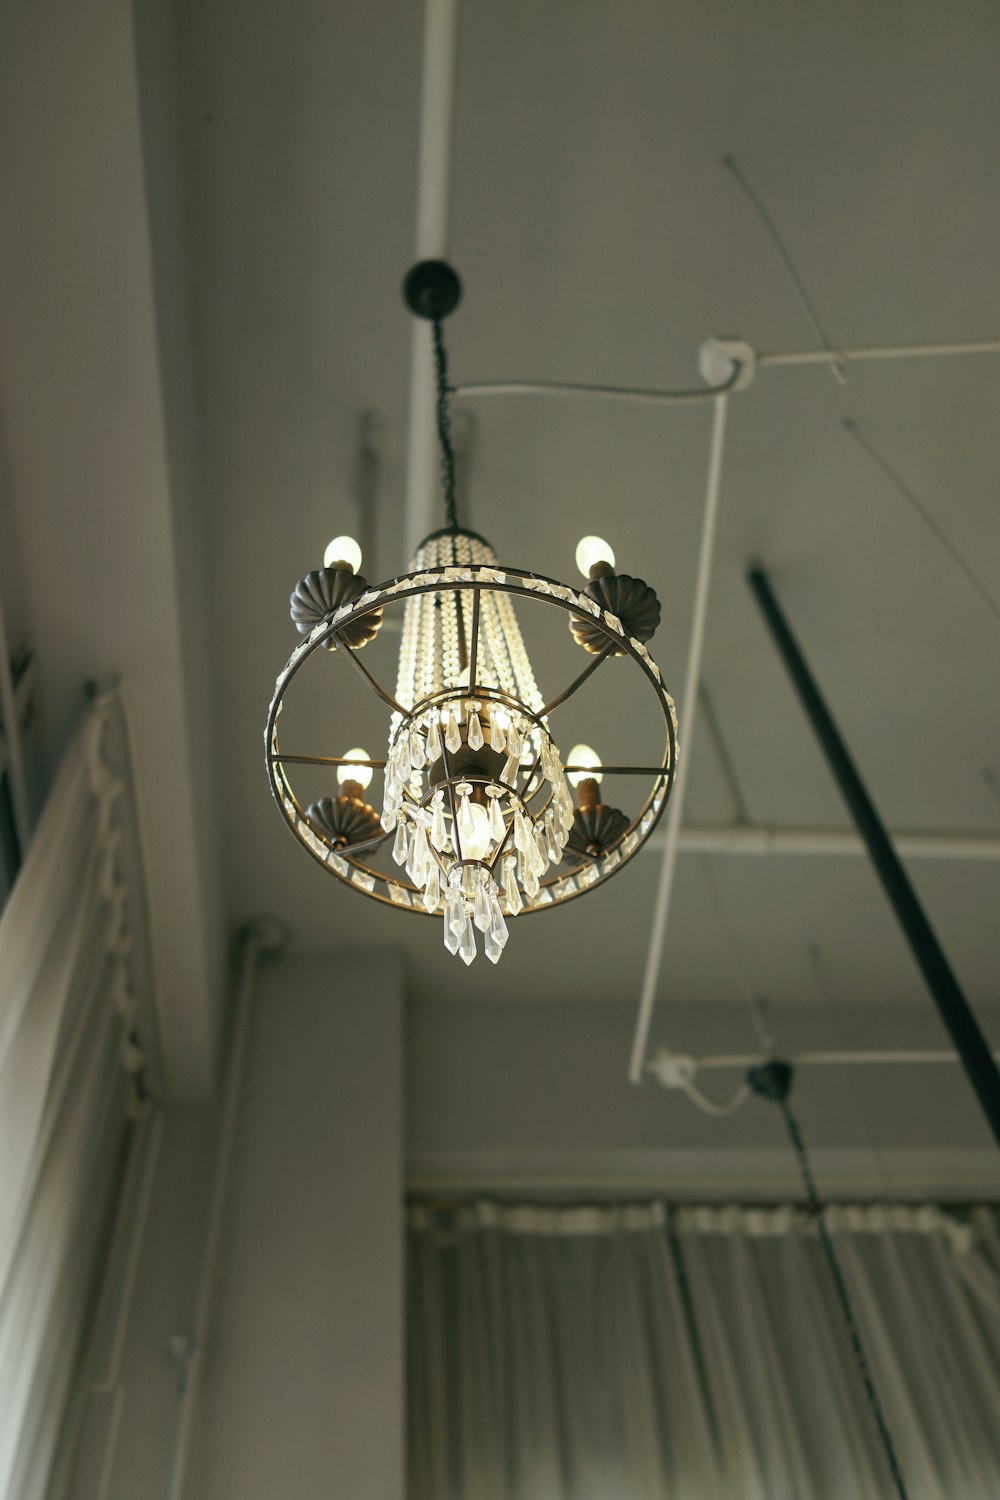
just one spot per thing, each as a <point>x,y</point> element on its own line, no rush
<point>345,860</point>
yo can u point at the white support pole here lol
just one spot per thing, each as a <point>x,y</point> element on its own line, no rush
<point>689,703</point>
<point>433,181</point>
<point>191,1349</point>
<point>876,1059</point>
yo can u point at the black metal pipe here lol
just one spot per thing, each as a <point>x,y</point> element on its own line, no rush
<point>952,1005</point>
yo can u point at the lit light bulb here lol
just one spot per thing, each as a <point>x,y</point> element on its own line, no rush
<point>476,836</point>
<point>343,549</point>
<point>361,774</point>
<point>582,755</point>
<point>591,550</point>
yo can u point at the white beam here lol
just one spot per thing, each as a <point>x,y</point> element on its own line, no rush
<point>433,182</point>
<point>756,839</point>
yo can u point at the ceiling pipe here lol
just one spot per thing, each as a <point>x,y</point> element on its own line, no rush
<point>437,98</point>
<point>953,1008</point>
<point>689,706</point>
<point>747,840</point>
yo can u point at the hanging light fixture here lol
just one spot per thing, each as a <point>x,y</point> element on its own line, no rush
<point>478,821</point>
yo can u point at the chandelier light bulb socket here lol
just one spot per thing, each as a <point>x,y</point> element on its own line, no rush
<point>359,776</point>
<point>343,551</point>
<point>588,793</point>
<point>593,552</point>
<point>432,289</point>
<point>583,755</point>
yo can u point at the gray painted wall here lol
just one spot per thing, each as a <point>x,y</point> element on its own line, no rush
<point>303,1376</point>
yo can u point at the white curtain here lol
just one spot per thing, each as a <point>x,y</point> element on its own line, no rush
<point>66,1008</point>
<point>655,1353</point>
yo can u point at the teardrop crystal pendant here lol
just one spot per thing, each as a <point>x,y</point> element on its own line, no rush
<point>452,736</point>
<point>511,893</point>
<point>439,828</point>
<point>498,827</point>
<point>467,941</point>
<point>498,740</point>
<point>400,843</point>
<point>466,827</point>
<point>432,890</point>
<point>475,735</point>
<point>454,916</point>
<point>496,933</point>
<point>434,737</point>
<point>481,908</point>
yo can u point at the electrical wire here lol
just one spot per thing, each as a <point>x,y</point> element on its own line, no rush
<point>774,235</point>
<point>709,1106</point>
<point>602,392</point>
<point>865,443</point>
<point>444,426</point>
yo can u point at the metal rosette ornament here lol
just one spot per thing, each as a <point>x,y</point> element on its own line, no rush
<point>478,823</point>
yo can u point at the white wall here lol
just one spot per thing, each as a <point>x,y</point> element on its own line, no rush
<point>303,1374</point>
<point>304,1389</point>
<point>533,1097</point>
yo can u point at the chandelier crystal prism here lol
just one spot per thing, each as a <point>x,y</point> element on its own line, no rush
<point>478,822</point>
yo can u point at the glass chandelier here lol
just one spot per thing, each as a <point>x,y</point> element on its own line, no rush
<point>478,821</point>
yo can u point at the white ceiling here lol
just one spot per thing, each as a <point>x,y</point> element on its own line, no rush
<point>600,239</point>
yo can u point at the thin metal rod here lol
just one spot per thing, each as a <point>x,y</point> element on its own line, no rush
<point>577,682</point>
<point>887,351</point>
<point>375,686</point>
<point>675,809</point>
<point>474,648</point>
<point>952,1005</point>
<point>637,394</point>
<point>620,770</point>
<point>325,760</point>
<point>437,98</point>
<point>510,826</point>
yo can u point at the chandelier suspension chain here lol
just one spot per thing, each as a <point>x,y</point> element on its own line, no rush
<point>444,426</point>
<point>843,1297</point>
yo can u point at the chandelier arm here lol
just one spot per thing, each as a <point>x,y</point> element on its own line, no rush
<point>326,760</point>
<point>376,687</point>
<point>577,682</point>
<point>660,771</point>
<point>362,846</point>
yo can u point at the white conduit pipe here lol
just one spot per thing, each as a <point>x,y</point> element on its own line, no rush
<point>689,703</point>
<point>437,99</point>
<point>748,840</point>
<point>824,1059</point>
<point>192,1349</point>
<point>889,351</point>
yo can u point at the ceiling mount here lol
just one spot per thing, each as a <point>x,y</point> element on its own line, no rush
<point>432,289</point>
